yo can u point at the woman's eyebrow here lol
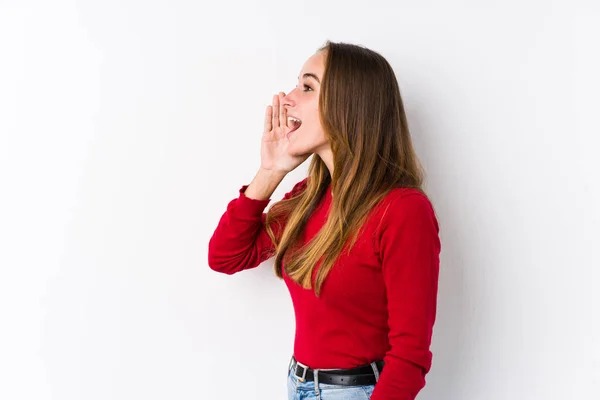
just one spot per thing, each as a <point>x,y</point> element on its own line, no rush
<point>311,75</point>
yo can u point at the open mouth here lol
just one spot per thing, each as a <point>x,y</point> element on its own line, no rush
<point>294,123</point>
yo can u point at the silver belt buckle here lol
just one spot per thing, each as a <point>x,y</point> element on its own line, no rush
<point>303,377</point>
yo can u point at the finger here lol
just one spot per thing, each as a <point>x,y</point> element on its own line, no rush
<point>283,111</point>
<point>275,111</point>
<point>268,117</point>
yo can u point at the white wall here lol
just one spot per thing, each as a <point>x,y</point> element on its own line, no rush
<point>127,126</point>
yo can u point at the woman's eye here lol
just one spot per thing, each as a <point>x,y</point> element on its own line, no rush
<point>306,86</point>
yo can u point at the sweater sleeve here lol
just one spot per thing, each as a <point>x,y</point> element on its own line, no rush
<point>409,248</point>
<point>240,240</point>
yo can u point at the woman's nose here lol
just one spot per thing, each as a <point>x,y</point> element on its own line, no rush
<point>288,99</point>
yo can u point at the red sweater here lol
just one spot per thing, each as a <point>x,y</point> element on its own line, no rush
<point>378,302</point>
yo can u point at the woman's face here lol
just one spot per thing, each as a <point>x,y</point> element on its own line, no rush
<point>303,103</point>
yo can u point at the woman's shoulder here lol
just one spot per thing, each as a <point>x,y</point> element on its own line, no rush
<point>405,202</point>
<point>405,195</point>
<point>298,187</point>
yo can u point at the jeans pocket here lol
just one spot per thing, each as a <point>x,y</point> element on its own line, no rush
<point>291,385</point>
<point>368,390</point>
<point>343,392</point>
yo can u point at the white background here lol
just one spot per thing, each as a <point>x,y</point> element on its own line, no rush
<point>127,126</point>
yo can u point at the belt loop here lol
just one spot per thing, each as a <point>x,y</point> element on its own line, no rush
<point>375,370</point>
<point>316,379</point>
<point>291,362</point>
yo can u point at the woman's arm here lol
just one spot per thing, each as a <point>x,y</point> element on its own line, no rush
<point>240,240</point>
<point>409,249</point>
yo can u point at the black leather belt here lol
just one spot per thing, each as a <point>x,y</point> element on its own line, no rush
<point>358,376</point>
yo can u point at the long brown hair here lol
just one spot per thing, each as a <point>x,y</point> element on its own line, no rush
<point>363,118</point>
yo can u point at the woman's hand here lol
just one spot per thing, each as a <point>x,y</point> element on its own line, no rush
<point>274,148</point>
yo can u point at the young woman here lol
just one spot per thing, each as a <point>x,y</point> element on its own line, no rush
<point>356,241</point>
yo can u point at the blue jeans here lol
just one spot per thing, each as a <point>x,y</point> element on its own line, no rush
<point>309,390</point>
